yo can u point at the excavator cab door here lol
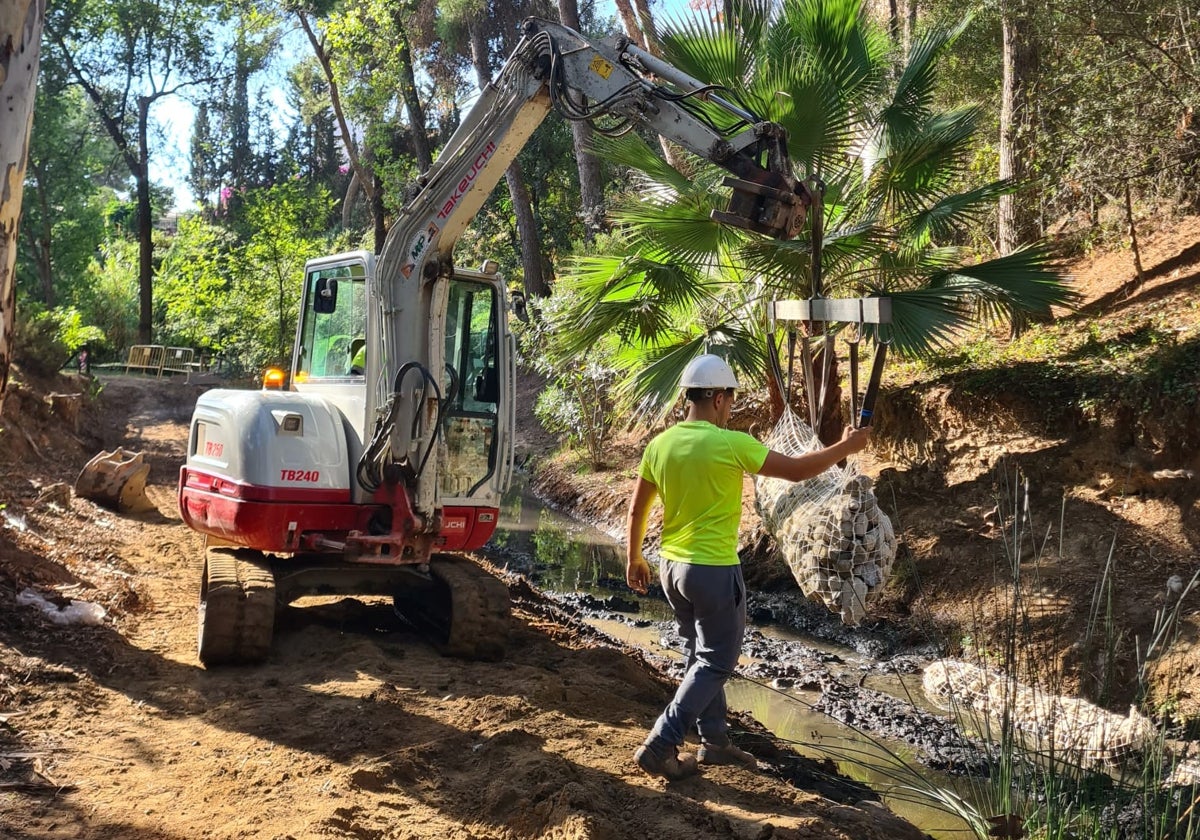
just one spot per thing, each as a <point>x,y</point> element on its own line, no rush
<point>476,417</point>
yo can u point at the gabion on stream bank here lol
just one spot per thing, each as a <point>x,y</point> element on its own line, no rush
<point>838,544</point>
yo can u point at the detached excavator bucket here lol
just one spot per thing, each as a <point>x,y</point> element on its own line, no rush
<point>116,480</point>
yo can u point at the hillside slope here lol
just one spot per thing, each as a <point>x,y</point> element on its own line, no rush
<point>1088,424</point>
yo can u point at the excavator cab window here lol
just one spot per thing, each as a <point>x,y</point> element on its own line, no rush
<point>333,323</point>
<point>472,386</point>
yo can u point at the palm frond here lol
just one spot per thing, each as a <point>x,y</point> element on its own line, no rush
<point>635,298</point>
<point>1028,282</point>
<point>949,216</point>
<point>632,151</point>
<point>787,266</point>
<point>679,230</point>
<point>652,385</point>
<point>925,162</point>
<point>913,96</point>
<point>924,321</point>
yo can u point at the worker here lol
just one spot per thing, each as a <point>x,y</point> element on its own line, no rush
<point>358,356</point>
<point>697,467</point>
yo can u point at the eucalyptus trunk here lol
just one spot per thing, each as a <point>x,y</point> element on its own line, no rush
<point>20,45</point>
<point>1017,213</point>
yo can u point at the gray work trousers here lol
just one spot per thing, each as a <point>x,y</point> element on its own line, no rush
<point>710,609</point>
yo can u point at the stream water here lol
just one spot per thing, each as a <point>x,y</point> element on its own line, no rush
<point>797,685</point>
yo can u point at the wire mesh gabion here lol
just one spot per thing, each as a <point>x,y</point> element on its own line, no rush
<point>837,542</point>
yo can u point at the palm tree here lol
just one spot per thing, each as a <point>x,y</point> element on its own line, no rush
<point>671,283</point>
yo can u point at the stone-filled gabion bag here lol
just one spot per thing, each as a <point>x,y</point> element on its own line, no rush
<point>839,545</point>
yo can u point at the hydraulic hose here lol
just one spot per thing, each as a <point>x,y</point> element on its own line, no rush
<point>371,465</point>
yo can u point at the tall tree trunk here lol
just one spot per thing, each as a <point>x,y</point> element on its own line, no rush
<point>639,26</point>
<point>910,27</point>
<point>40,241</point>
<point>20,44</point>
<point>591,187</point>
<point>377,211</point>
<point>416,112</point>
<point>527,231</point>
<point>629,20</point>
<point>365,182</point>
<point>145,226</point>
<point>894,28</point>
<point>1017,223</point>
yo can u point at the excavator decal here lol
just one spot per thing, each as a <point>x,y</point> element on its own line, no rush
<point>468,179</point>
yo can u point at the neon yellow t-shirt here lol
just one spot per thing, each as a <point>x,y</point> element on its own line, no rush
<point>698,470</point>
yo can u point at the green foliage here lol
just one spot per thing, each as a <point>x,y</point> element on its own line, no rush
<point>45,340</point>
<point>68,183</point>
<point>673,283</point>
<point>192,285</point>
<point>262,303</point>
<point>111,299</point>
<point>577,403</point>
<point>1114,87</point>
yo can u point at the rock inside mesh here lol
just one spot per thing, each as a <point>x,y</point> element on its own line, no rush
<point>838,544</point>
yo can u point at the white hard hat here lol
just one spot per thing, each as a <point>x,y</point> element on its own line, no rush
<point>708,372</point>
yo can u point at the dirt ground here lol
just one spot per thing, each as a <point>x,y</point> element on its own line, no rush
<point>355,728</point>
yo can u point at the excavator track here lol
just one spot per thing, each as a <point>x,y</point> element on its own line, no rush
<point>467,612</point>
<point>237,607</point>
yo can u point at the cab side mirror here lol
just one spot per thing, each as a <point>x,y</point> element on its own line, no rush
<point>325,295</point>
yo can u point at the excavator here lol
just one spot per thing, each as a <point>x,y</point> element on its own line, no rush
<point>382,463</point>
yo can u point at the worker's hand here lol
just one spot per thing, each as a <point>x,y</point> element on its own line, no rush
<point>637,573</point>
<point>856,439</point>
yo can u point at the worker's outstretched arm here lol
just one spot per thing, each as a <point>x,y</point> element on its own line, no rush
<point>637,570</point>
<point>810,464</point>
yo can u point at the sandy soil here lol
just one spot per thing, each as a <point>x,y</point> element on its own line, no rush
<point>355,728</point>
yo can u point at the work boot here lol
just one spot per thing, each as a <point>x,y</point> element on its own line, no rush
<point>672,767</point>
<point>728,754</point>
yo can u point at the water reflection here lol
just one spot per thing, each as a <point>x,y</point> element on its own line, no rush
<point>562,555</point>
<point>891,770</point>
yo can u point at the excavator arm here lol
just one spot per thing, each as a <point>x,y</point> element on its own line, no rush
<point>611,83</point>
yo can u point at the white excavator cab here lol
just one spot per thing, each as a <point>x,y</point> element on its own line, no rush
<point>339,354</point>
